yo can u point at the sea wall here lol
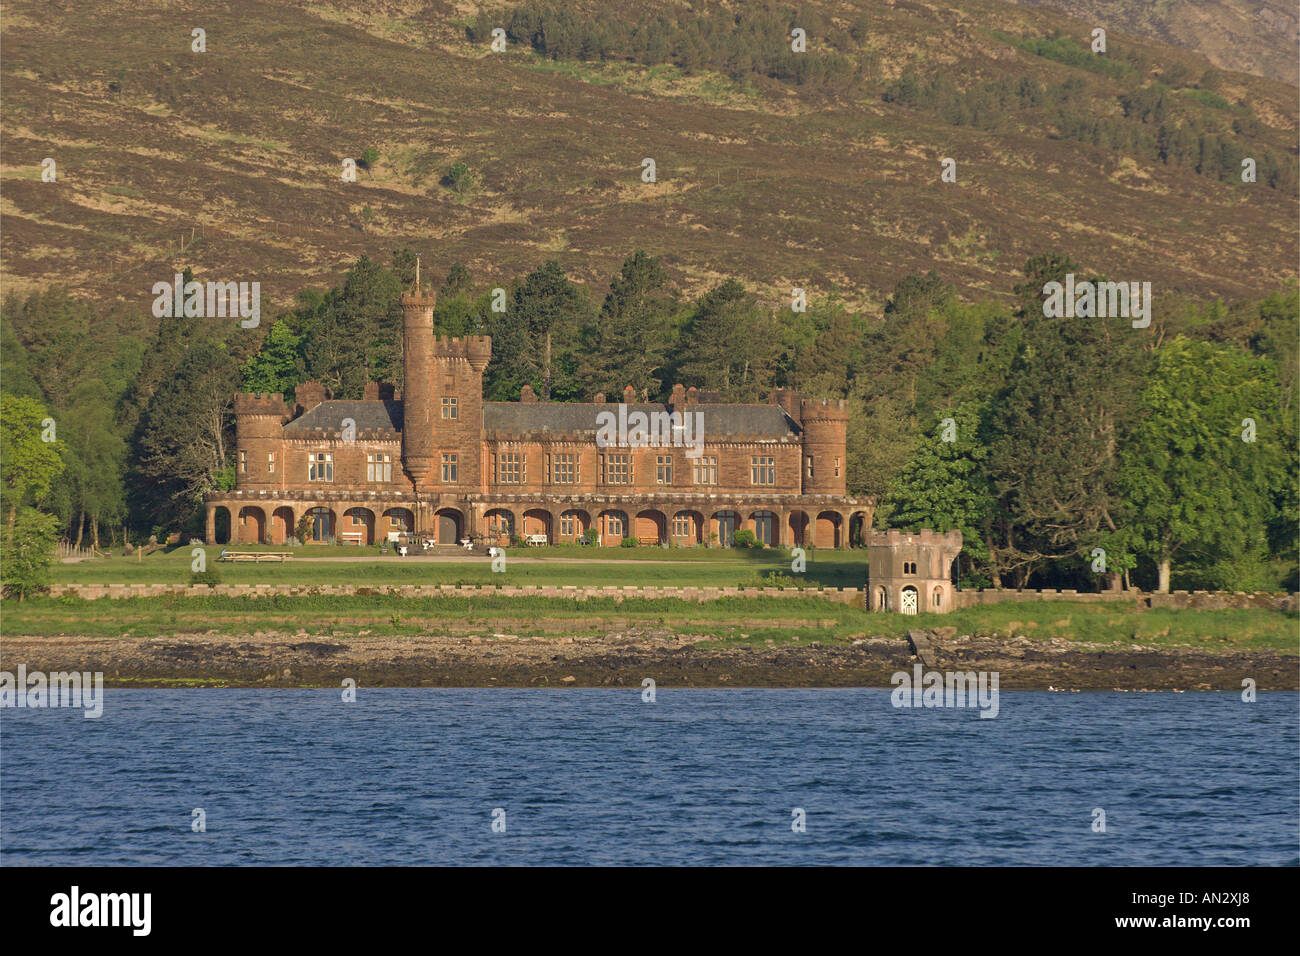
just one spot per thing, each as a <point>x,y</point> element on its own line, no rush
<point>1202,600</point>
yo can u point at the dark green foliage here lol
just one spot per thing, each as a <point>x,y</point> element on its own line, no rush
<point>751,42</point>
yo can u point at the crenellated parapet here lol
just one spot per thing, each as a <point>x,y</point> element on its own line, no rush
<point>475,349</point>
<point>949,540</point>
<point>270,404</point>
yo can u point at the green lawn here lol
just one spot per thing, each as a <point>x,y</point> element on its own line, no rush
<point>571,564</point>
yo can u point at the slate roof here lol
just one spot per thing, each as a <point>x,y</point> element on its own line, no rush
<point>369,416</point>
<point>720,421</point>
<point>763,421</point>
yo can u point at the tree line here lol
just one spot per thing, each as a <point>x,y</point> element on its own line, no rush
<point>1170,450</point>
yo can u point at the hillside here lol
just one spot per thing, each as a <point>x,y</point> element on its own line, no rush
<point>235,154</point>
<point>1252,36</point>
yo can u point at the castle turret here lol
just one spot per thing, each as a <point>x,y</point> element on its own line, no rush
<point>259,420</point>
<point>418,448</point>
<point>825,440</point>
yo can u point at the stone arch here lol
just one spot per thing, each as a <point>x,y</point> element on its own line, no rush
<point>323,525</point>
<point>573,524</point>
<point>859,525</point>
<point>798,525</point>
<point>499,526</point>
<point>221,525</point>
<point>882,598</point>
<point>651,523</point>
<point>397,521</point>
<point>937,600</point>
<point>538,521</point>
<point>358,526</point>
<point>282,524</point>
<point>612,526</point>
<point>251,527</point>
<point>725,524</point>
<point>766,527</point>
<point>827,529</point>
<point>449,526</point>
<point>687,527</point>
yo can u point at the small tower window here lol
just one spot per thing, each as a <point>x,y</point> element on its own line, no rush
<point>450,411</point>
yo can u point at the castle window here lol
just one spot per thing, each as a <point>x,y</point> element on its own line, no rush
<point>320,467</point>
<point>909,567</point>
<point>664,469</point>
<point>809,461</point>
<point>509,468</point>
<point>705,470</point>
<point>568,524</point>
<point>837,467</point>
<point>270,463</point>
<point>450,469</point>
<point>683,525</point>
<point>617,469</point>
<point>243,462</point>
<point>762,470</point>
<point>379,468</point>
<point>564,469</point>
<point>449,408</point>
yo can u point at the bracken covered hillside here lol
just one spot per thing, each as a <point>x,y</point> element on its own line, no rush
<point>820,171</point>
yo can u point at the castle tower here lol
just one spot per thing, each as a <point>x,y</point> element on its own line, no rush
<point>825,441</point>
<point>418,449</point>
<point>457,406</point>
<point>259,420</point>
<point>909,571</point>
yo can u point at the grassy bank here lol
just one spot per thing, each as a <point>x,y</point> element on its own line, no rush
<point>728,621</point>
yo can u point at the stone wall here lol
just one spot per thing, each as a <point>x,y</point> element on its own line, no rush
<point>850,596</point>
<point>1203,600</point>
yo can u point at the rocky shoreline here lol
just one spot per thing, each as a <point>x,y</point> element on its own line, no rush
<point>623,658</point>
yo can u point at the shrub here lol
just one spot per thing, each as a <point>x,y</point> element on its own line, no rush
<point>28,552</point>
<point>628,543</point>
<point>591,536</point>
<point>459,177</point>
<point>744,538</point>
<point>211,577</point>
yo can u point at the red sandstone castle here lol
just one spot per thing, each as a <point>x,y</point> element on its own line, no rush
<point>441,462</point>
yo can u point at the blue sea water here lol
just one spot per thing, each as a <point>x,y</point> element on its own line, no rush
<point>412,776</point>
